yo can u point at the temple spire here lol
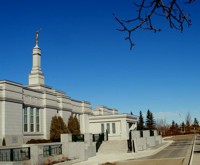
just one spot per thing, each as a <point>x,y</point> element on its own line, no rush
<point>36,76</point>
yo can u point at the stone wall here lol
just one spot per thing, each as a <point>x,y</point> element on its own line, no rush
<point>78,150</point>
<point>145,141</point>
<point>70,150</point>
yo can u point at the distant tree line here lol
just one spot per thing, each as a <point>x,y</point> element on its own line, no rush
<point>187,127</point>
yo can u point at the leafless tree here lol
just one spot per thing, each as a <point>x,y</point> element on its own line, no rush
<point>171,10</point>
<point>188,122</point>
<point>188,119</point>
<point>162,126</point>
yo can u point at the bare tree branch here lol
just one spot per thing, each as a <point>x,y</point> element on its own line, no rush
<point>171,10</point>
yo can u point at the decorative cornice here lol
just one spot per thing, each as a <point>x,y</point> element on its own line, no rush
<point>65,109</point>
<point>11,83</point>
<point>115,116</point>
<point>11,100</point>
<point>33,90</point>
<point>51,107</point>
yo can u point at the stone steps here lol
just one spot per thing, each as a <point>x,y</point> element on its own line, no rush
<point>114,146</point>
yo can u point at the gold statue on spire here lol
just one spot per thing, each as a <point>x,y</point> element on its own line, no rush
<point>37,33</point>
<point>37,36</point>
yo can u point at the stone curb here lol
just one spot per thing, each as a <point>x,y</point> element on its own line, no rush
<point>69,162</point>
<point>191,156</point>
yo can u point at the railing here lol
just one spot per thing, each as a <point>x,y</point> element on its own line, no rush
<point>78,138</point>
<point>151,132</point>
<point>15,154</point>
<point>99,141</point>
<point>96,137</point>
<point>141,133</point>
<point>51,150</point>
<point>129,145</point>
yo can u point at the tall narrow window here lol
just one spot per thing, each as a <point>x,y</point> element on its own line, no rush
<point>37,120</point>
<point>102,128</point>
<point>113,128</point>
<point>108,127</point>
<point>31,120</point>
<point>25,119</point>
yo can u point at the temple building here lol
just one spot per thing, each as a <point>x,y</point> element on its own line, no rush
<point>26,111</point>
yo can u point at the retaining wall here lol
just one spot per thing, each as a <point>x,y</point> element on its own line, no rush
<point>145,141</point>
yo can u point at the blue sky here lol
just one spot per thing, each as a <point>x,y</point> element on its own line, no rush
<point>84,55</point>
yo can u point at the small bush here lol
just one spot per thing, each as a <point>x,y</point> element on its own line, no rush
<point>57,128</point>
<point>74,126</point>
<point>35,141</point>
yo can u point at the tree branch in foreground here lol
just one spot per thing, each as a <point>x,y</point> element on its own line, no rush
<point>171,10</point>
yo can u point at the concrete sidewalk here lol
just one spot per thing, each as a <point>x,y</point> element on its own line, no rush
<point>195,160</point>
<point>114,157</point>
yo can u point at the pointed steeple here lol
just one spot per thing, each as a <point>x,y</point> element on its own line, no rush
<point>36,76</point>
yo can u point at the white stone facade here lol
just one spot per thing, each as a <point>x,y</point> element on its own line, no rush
<point>16,99</point>
<point>117,125</point>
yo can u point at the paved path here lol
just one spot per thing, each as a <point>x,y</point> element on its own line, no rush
<point>177,153</point>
